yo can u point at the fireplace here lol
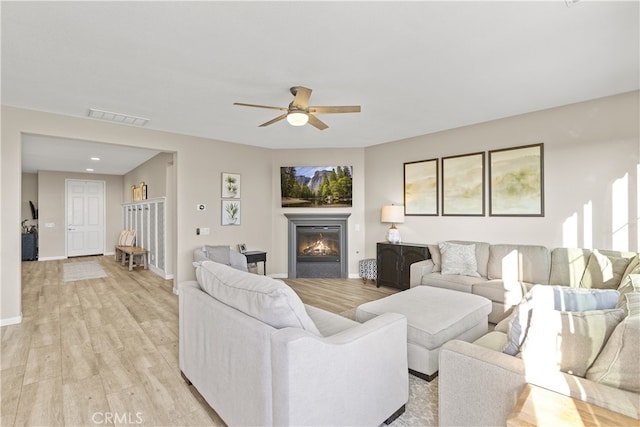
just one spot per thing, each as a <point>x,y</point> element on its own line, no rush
<point>317,245</point>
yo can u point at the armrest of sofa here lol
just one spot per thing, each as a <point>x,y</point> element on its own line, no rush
<point>419,269</point>
<point>477,385</point>
<point>358,376</point>
<point>238,260</point>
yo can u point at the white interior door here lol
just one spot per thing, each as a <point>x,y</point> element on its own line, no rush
<point>85,217</point>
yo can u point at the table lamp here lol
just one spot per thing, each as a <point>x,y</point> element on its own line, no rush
<point>395,215</point>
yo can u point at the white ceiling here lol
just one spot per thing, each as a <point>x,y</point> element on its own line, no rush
<point>414,67</point>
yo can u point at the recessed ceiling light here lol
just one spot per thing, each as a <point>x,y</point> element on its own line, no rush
<point>117,117</point>
<point>89,170</point>
<point>95,159</point>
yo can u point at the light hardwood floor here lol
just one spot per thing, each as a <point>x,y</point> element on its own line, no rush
<point>105,351</point>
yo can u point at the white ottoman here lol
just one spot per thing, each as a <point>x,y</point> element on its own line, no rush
<point>434,316</point>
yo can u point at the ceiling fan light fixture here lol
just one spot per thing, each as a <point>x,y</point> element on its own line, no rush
<point>297,118</point>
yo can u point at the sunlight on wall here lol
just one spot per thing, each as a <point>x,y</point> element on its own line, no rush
<point>570,231</point>
<point>620,213</point>
<point>587,225</point>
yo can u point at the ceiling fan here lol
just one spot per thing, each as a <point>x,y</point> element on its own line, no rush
<point>299,113</point>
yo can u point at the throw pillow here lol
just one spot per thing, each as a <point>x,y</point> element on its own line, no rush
<point>617,365</point>
<point>127,237</point>
<point>603,271</point>
<point>261,297</point>
<point>559,298</point>
<point>434,250</point>
<point>567,341</point>
<point>631,284</point>
<point>458,259</point>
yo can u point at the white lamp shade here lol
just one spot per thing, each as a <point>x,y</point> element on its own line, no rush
<point>392,214</point>
<point>297,119</point>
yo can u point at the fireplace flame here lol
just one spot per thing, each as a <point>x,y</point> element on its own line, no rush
<point>319,248</point>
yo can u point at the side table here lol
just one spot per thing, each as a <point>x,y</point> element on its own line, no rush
<point>257,256</point>
<point>538,406</point>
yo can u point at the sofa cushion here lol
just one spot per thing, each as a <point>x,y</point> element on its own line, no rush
<point>509,293</point>
<point>434,251</point>
<point>560,298</point>
<point>630,284</point>
<point>568,265</point>
<point>567,341</point>
<point>604,272</point>
<point>458,259</point>
<point>453,282</point>
<point>261,297</point>
<point>494,340</point>
<point>617,365</point>
<point>519,263</point>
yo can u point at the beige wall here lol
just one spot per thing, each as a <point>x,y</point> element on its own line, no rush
<point>51,210</point>
<point>591,152</point>
<point>153,173</point>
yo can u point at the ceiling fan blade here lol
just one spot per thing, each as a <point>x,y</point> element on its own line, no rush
<point>260,106</point>
<point>317,123</point>
<point>302,95</point>
<point>272,121</point>
<point>341,109</point>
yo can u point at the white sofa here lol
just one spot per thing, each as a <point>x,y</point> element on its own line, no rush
<point>260,357</point>
<point>590,355</point>
<point>505,272</point>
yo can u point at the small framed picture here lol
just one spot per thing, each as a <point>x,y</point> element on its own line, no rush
<point>230,185</point>
<point>231,212</point>
<point>242,247</point>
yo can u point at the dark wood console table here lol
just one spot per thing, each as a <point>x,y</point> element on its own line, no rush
<point>257,256</point>
<point>394,262</point>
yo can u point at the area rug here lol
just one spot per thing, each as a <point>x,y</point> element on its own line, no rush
<point>422,407</point>
<point>74,271</point>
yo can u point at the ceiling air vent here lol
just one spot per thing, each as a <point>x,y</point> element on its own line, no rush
<point>117,117</point>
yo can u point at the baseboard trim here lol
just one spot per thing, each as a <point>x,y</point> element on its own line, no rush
<point>51,258</point>
<point>11,321</point>
<point>279,275</point>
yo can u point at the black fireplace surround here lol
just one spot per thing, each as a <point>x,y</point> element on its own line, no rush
<point>318,245</point>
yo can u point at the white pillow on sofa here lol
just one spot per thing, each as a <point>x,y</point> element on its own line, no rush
<point>458,259</point>
<point>261,297</point>
<point>560,298</point>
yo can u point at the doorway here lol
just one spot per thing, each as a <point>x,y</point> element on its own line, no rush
<point>85,227</point>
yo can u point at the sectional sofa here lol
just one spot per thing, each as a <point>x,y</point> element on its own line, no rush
<point>589,350</point>
<point>503,273</point>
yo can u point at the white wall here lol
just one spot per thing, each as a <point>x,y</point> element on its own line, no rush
<point>29,192</point>
<point>591,150</point>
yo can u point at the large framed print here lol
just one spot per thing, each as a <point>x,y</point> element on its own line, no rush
<point>516,181</point>
<point>316,186</point>
<point>463,185</point>
<point>421,187</point>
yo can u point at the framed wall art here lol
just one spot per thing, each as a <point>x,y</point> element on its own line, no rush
<point>230,185</point>
<point>516,181</point>
<point>316,186</point>
<point>463,185</point>
<point>421,187</point>
<point>231,212</point>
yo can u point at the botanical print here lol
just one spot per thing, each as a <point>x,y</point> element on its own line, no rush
<point>316,186</point>
<point>463,185</point>
<point>516,183</point>
<point>421,187</point>
<point>230,185</point>
<point>230,212</point>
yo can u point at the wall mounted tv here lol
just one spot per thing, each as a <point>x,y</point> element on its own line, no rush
<point>316,186</point>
